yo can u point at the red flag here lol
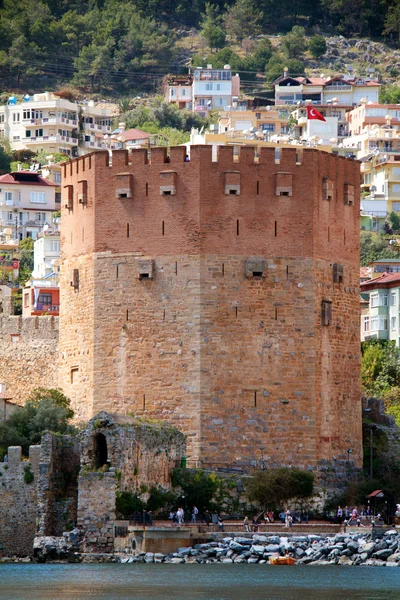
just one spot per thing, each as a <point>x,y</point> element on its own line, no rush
<point>313,113</point>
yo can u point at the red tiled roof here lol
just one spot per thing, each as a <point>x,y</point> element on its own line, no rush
<point>25,178</point>
<point>134,134</point>
<point>382,279</point>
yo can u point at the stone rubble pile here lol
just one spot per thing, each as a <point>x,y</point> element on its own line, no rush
<point>341,549</point>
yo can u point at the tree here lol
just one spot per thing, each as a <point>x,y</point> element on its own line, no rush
<point>127,504</point>
<point>380,367</point>
<point>392,21</point>
<point>394,219</point>
<point>45,410</point>
<point>276,486</point>
<point>278,63</point>
<point>25,260</point>
<point>5,161</point>
<point>243,19</point>
<point>294,43</point>
<point>260,56</point>
<point>390,94</point>
<point>212,27</point>
<point>317,46</point>
<point>373,247</point>
<point>93,64</point>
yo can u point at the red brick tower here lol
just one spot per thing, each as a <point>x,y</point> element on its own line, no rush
<point>222,296</point>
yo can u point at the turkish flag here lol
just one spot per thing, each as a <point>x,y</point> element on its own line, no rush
<point>313,113</point>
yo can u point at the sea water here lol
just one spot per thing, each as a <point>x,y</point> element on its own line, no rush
<point>196,582</point>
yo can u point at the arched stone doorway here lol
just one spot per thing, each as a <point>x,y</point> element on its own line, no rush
<point>100,450</point>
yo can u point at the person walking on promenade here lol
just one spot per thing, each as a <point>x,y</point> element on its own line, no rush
<point>246,524</point>
<point>195,512</point>
<point>339,514</point>
<point>180,515</point>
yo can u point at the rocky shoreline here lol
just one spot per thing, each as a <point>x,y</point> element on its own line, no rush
<point>375,548</point>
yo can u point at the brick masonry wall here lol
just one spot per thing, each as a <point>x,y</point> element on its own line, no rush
<point>18,503</point>
<point>237,363</point>
<point>28,355</point>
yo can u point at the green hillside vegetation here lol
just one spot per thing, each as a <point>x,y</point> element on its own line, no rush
<point>119,45</point>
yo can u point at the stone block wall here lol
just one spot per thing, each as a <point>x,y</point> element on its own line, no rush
<point>96,510</point>
<point>6,408</point>
<point>58,484</point>
<point>223,335</point>
<point>143,453</point>
<point>28,354</point>
<point>18,502</point>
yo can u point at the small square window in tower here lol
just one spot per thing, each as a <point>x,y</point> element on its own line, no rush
<point>123,185</point>
<point>326,312</point>
<point>255,267</point>
<point>145,268</point>
<point>327,189</point>
<point>168,183</point>
<point>69,196</point>
<point>232,183</point>
<point>283,184</point>
<point>337,273</point>
<point>82,191</point>
<point>348,197</point>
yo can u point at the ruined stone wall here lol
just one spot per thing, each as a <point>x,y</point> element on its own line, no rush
<point>28,355</point>
<point>18,502</point>
<point>238,360</point>
<point>144,453</point>
<point>96,510</point>
<point>58,484</point>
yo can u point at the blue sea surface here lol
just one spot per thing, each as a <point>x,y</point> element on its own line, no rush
<point>196,582</point>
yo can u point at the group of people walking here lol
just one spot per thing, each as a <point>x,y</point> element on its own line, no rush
<point>179,516</point>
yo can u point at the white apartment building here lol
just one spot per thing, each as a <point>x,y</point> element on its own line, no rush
<point>323,90</point>
<point>47,122</point>
<point>178,90</point>
<point>27,202</point>
<point>46,253</point>
<point>214,89</point>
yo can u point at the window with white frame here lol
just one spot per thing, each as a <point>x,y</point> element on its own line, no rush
<point>396,206</point>
<point>8,198</point>
<point>38,197</point>
<point>396,187</point>
<point>1,117</point>
<point>393,298</point>
<point>367,178</point>
<point>374,300</point>
<point>374,323</point>
<point>384,300</point>
<point>16,117</point>
<point>172,92</point>
<point>209,86</point>
<point>54,246</point>
<point>57,177</point>
<point>383,323</point>
<point>366,324</point>
<point>396,171</point>
<point>393,323</point>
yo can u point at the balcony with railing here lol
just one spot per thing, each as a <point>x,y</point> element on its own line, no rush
<point>96,127</point>
<point>50,139</point>
<point>96,145</point>
<point>40,309</point>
